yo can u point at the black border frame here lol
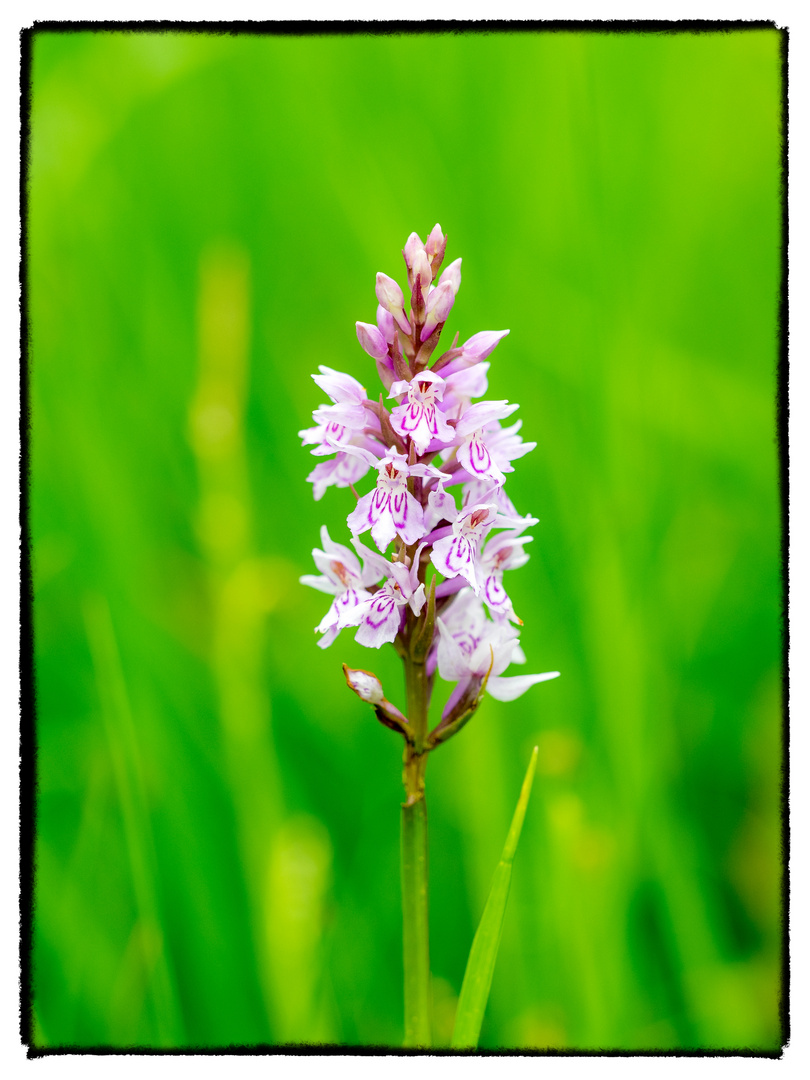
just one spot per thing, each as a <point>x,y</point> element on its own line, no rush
<point>28,742</point>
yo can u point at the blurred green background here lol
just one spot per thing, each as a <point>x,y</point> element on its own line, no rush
<point>217,831</point>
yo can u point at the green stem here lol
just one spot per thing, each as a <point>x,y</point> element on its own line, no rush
<point>416,952</point>
<point>415,924</point>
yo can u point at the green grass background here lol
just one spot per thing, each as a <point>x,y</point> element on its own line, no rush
<point>217,830</point>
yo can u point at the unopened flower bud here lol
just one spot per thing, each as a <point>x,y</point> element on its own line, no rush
<point>413,245</point>
<point>365,685</point>
<point>418,304</point>
<point>421,276</point>
<point>390,296</point>
<point>369,688</point>
<point>452,274</point>
<point>385,321</point>
<point>439,303</point>
<point>422,270</point>
<point>372,340</point>
<point>385,369</point>
<point>435,247</point>
<point>479,346</point>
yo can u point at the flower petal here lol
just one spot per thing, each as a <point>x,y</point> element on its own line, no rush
<point>453,556</point>
<point>483,413</point>
<point>418,599</point>
<point>477,460</point>
<point>451,659</point>
<point>407,517</point>
<point>319,582</point>
<point>340,387</point>
<point>380,621</point>
<point>364,514</point>
<point>510,687</point>
<point>383,531</point>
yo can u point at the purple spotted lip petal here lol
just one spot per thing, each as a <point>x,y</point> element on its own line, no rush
<point>495,593</point>
<point>475,457</point>
<point>399,509</point>
<point>382,608</point>
<point>458,555</point>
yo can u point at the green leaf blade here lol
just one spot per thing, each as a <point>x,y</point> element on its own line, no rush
<point>484,952</point>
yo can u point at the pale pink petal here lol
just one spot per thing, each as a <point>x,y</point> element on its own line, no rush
<point>309,436</point>
<point>383,531</point>
<point>342,471</point>
<point>441,506</point>
<point>404,577</point>
<point>422,271</point>
<point>390,297</point>
<point>506,445</point>
<point>372,340</point>
<point>452,275</point>
<point>340,387</point>
<point>413,245</point>
<point>418,599</point>
<point>510,687</point>
<point>406,516</point>
<point>480,345</point>
<point>469,383</point>
<point>385,369</point>
<point>453,556</point>
<point>340,551</point>
<point>375,566</point>
<point>483,413</point>
<point>344,570</point>
<point>328,637</point>
<point>398,388</point>
<point>381,619</point>
<point>349,414</point>
<point>319,582</point>
<point>428,470</point>
<point>495,596</point>
<point>436,242</point>
<point>452,661</point>
<point>364,514</point>
<point>342,608</point>
<point>385,321</point>
<point>475,457</point>
<point>439,304</point>
<point>336,435</point>
<point>423,423</point>
<point>477,491</point>
<point>362,453</point>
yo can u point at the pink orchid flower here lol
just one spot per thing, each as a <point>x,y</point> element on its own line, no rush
<point>421,416</point>
<point>343,576</point>
<point>470,646</point>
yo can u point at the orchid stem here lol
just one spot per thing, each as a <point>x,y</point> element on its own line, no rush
<point>415,924</point>
<point>414,866</point>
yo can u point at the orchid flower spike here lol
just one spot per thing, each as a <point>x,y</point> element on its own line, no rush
<point>433,582</point>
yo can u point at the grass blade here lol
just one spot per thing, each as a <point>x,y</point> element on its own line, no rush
<point>484,952</point>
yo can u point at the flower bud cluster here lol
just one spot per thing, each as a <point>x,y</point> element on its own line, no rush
<point>439,463</point>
